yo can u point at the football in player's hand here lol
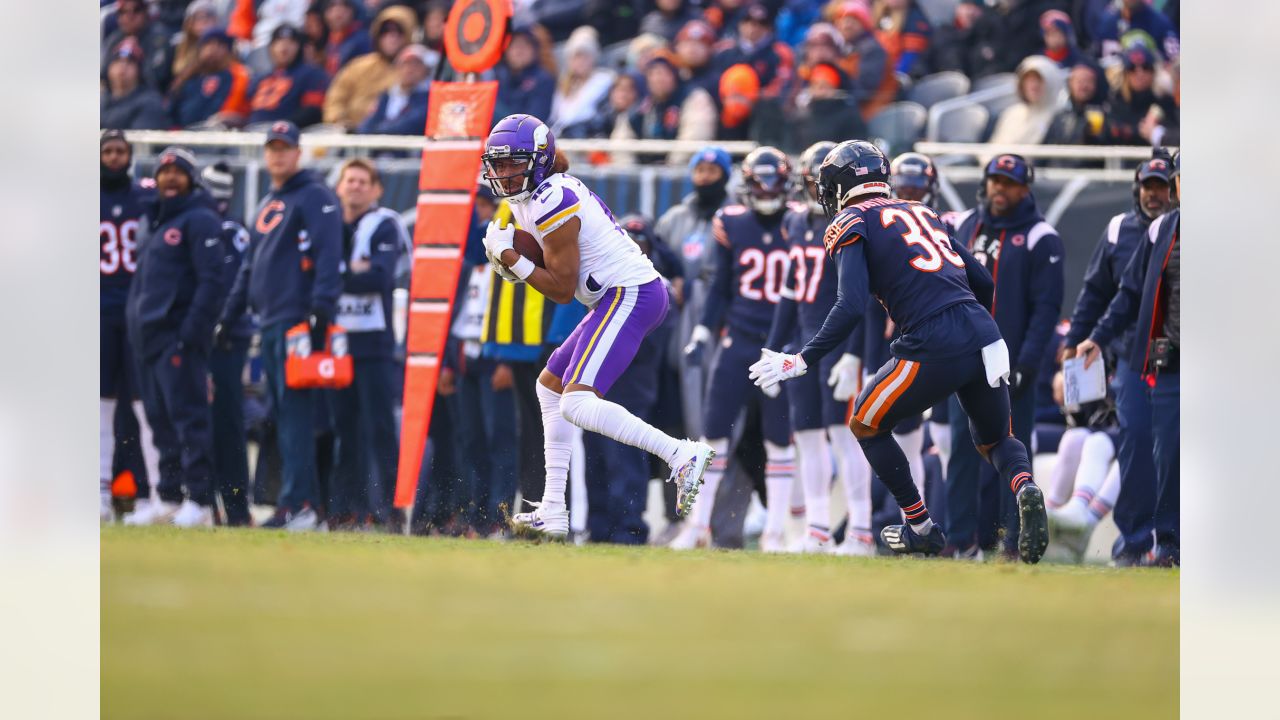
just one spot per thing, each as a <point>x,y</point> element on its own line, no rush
<point>526,245</point>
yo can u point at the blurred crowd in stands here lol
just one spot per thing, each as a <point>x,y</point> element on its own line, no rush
<point>781,73</point>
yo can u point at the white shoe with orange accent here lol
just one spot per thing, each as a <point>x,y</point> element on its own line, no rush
<point>814,542</point>
<point>852,547</point>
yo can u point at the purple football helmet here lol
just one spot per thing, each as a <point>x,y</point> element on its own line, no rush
<point>520,146</point>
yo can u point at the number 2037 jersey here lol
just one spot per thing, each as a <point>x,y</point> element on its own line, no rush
<point>121,214</point>
<point>911,265</point>
<point>607,256</point>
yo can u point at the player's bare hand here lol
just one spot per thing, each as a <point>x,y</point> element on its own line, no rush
<point>446,385</point>
<point>1090,351</point>
<point>503,378</point>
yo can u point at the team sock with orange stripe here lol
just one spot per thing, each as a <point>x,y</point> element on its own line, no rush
<point>890,463</point>
<point>1010,459</point>
<point>779,473</point>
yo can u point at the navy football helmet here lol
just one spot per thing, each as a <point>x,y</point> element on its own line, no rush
<point>765,172</point>
<point>807,177</point>
<point>852,169</point>
<point>914,177</point>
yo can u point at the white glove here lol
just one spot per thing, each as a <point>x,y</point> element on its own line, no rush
<point>774,367</point>
<point>502,270</point>
<point>498,238</point>
<point>844,377</point>
<point>700,336</point>
<point>771,391</point>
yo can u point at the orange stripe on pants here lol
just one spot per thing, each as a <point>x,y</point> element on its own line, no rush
<point>898,369</point>
<point>911,376</point>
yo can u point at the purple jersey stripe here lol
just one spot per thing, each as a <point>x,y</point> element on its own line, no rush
<point>567,198</point>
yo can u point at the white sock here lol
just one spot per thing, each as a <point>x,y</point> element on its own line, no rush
<point>923,528</point>
<point>106,438</point>
<point>855,476</point>
<point>150,455</point>
<point>813,454</point>
<point>797,501</point>
<point>1095,461</point>
<point>557,445</point>
<point>584,409</point>
<point>912,445</point>
<point>941,435</point>
<point>1106,498</point>
<point>578,484</point>
<point>706,500</point>
<point>779,473</point>
<point>1062,479</point>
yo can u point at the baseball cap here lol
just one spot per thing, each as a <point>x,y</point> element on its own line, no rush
<point>697,30</point>
<point>421,53</point>
<point>757,12</point>
<point>1014,167</point>
<point>857,9</point>
<point>483,191</point>
<point>179,156</point>
<point>216,34</point>
<point>1138,55</point>
<point>286,32</point>
<point>284,131</point>
<point>1156,167</point>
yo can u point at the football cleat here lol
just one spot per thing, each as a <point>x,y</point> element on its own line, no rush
<point>1165,555</point>
<point>904,540</point>
<point>154,512</point>
<point>853,547</point>
<point>1033,537</point>
<point>773,543</point>
<point>814,542</point>
<point>193,514</point>
<point>688,475</point>
<point>543,523</point>
<point>691,537</point>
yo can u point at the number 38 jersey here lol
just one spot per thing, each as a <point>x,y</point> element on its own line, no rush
<point>900,252</point>
<point>121,212</point>
<point>751,270</point>
<point>607,257</point>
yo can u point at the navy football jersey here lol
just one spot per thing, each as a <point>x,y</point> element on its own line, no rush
<point>914,270</point>
<point>814,275</point>
<point>751,270</point>
<point>121,213</point>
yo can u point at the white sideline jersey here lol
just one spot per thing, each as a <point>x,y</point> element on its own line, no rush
<point>608,258</point>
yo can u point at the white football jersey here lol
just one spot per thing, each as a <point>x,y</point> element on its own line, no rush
<point>608,258</point>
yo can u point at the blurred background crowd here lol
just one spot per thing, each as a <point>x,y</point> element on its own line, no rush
<point>784,73</point>
<point>1084,72</point>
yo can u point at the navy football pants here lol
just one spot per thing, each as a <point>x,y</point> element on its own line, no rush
<point>175,394</point>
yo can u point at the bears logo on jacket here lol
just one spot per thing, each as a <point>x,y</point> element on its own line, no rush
<point>173,236</point>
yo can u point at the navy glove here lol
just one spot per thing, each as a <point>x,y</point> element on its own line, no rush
<point>222,336</point>
<point>319,323</point>
<point>1021,379</point>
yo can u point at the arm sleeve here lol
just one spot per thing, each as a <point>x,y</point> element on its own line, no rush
<point>720,294</point>
<point>325,231</point>
<point>851,305</point>
<point>1047,279</point>
<point>1123,310</point>
<point>204,234</point>
<point>980,281</point>
<point>384,251</point>
<point>1096,293</point>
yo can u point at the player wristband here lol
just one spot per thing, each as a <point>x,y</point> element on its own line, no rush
<point>523,268</point>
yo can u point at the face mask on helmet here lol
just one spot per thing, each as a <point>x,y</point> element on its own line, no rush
<point>509,174</point>
<point>911,186</point>
<point>766,189</point>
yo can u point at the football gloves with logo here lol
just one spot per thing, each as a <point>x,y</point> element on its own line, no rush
<point>774,367</point>
<point>844,377</point>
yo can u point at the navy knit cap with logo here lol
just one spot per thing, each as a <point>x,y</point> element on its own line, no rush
<point>180,157</point>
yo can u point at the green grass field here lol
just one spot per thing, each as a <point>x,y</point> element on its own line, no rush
<point>255,624</point>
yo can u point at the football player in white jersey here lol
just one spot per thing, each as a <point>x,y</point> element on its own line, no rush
<point>587,256</point>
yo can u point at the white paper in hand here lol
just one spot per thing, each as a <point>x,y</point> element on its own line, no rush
<point>1083,385</point>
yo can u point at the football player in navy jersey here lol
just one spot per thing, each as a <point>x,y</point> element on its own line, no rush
<point>937,295</point>
<point>121,208</point>
<point>751,265</point>
<point>819,402</point>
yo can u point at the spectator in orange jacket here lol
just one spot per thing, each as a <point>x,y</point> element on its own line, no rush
<point>756,46</point>
<point>218,92</point>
